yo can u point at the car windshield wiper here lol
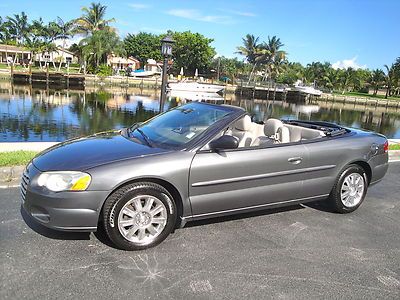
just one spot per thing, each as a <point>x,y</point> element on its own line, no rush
<point>145,137</point>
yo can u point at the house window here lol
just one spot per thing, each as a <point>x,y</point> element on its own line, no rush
<point>68,59</point>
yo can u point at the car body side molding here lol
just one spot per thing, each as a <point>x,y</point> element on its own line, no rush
<point>261,176</point>
<point>244,209</point>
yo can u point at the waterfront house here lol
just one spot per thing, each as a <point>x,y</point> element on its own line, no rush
<point>154,66</point>
<point>59,55</point>
<point>13,54</point>
<point>121,63</point>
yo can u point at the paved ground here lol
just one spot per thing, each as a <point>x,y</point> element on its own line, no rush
<point>300,252</point>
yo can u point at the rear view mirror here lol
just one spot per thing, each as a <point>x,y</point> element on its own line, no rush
<point>224,142</point>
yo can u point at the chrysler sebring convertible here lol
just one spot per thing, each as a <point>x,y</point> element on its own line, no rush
<point>193,162</point>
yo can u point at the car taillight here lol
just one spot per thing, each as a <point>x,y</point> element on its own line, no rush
<point>386,146</point>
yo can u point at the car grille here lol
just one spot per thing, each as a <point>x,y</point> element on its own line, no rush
<point>24,183</point>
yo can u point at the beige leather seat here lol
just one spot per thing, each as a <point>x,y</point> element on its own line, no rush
<point>298,133</point>
<point>274,132</point>
<point>243,131</point>
<point>271,127</point>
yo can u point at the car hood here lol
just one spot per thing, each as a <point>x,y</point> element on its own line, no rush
<point>88,152</point>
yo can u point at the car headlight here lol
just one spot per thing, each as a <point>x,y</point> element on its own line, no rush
<point>64,181</point>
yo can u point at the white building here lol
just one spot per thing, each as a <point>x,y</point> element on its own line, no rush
<point>60,55</point>
<point>13,54</point>
<point>121,63</point>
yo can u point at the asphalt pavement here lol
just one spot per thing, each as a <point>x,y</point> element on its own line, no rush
<point>300,252</point>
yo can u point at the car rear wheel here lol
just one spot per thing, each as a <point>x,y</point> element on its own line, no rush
<point>139,216</point>
<point>349,190</point>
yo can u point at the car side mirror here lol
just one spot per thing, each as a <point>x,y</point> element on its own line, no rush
<point>224,142</point>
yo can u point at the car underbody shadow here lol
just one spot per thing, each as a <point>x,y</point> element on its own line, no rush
<point>321,205</point>
<point>101,235</point>
<point>50,233</point>
<point>240,216</point>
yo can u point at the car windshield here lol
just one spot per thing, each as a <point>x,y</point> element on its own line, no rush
<point>179,126</point>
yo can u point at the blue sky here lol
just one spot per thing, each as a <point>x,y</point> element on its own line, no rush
<point>361,33</point>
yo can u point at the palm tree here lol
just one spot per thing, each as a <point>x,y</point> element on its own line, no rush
<point>65,30</point>
<point>272,57</point>
<point>18,27</point>
<point>389,78</point>
<point>251,50</point>
<point>96,47</point>
<point>377,79</point>
<point>347,79</point>
<point>332,78</point>
<point>35,40</point>
<point>92,19</point>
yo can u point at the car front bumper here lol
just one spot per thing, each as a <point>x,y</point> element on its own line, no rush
<point>66,211</point>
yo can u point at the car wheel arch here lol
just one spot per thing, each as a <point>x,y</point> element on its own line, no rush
<point>365,166</point>
<point>165,184</point>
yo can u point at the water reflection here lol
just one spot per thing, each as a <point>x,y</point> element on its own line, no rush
<point>37,114</point>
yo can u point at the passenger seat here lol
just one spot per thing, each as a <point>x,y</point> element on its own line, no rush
<point>243,131</point>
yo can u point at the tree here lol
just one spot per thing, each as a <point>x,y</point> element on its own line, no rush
<point>250,48</point>
<point>191,51</point>
<point>389,78</point>
<point>332,78</point>
<point>377,79</point>
<point>291,73</point>
<point>97,46</point>
<point>143,46</point>
<point>93,19</point>
<point>18,27</point>
<point>347,79</point>
<point>230,68</point>
<point>270,55</point>
<point>65,31</point>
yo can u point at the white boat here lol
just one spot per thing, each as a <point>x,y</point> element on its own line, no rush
<point>298,86</point>
<point>196,96</point>
<point>195,87</point>
<point>144,73</point>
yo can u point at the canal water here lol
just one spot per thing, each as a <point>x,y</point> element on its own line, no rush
<point>38,114</point>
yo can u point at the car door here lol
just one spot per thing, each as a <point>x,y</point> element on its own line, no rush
<point>326,159</point>
<point>248,177</point>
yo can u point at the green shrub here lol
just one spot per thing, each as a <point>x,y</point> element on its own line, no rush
<point>104,70</point>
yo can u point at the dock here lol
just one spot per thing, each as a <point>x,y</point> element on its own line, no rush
<point>47,78</point>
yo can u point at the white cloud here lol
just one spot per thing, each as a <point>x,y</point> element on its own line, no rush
<point>194,14</point>
<point>240,13</point>
<point>138,6</point>
<point>348,63</point>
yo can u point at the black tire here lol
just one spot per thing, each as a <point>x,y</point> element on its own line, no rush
<point>335,195</point>
<point>116,201</point>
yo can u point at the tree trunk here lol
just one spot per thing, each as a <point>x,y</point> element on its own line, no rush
<point>387,91</point>
<point>62,56</point>
<point>251,73</point>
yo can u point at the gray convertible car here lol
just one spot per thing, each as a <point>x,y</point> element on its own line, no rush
<point>197,161</point>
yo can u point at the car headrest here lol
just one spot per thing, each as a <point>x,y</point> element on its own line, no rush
<point>271,126</point>
<point>243,124</point>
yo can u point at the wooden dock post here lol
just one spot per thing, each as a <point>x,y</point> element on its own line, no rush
<point>47,74</point>
<point>67,75</point>
<point>30,73</point>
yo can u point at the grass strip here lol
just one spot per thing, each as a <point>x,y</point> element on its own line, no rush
<point>16,158</point>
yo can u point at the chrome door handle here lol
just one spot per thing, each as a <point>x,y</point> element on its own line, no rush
<point>295,160</point>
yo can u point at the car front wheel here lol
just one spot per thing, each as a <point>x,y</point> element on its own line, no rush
<point>349,190</point>
<point>139,215</point>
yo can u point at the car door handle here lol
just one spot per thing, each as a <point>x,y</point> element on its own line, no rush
<point>295,160</point>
